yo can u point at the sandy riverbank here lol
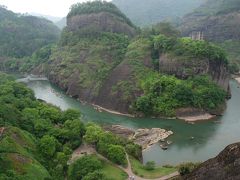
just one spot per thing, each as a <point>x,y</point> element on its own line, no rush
<point>237,79</point>
<point>192,118</point>
<point>100,109</point>
<point>201,117</point>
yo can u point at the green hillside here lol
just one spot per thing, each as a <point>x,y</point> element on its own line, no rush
<point>21,35</point>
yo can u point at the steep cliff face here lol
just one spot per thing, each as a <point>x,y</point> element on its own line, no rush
<point>213,28</point>
<point>121,87</point>
<point>184,68</point>
<point>216,21</point>
<point>102,21</point>
<point>91,60</point>
<point>97,61</point>
<point>225,166</point>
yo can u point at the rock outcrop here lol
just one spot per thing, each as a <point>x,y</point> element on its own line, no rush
<point>183,68</point>
<point>213,28</point>
<point>147,137</point>
<point>214,21</point>
<point>143,137</point>
<point>102,21</point>
<point>225,166</point>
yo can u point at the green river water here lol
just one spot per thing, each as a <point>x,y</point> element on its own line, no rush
<point>191,142</point>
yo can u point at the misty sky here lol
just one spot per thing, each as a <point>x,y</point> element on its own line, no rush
<point>57,8</point>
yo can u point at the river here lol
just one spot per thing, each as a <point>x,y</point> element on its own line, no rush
<point>191,142</point>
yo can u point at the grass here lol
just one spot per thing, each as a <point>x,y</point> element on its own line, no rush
<point>138,169</point>
<point>112,172</point>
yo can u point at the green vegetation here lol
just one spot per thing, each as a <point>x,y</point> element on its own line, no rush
<point>47,136</point>
<point>112,172</point>
<point>163,94</point>
<point>110,145</point>
<point>91,167</point>
<point>187,168</point>
<point>190,48</point>
<point>233,49</point>
<point>107,50</point>
<point>27,64</point>
<point>140,170</point>
<point>97,7</point>
<point>21,35</point>
<point>41,138</point>
<point>83,167</point>
<point>150,165</point>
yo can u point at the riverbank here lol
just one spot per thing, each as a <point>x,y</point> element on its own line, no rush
<point>144,137</point>
<point>197,118</point>
<point>188,118</point>
<point>237,79</point>
<point>100,109</point>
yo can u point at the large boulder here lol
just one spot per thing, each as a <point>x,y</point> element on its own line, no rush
<point>225,166</point>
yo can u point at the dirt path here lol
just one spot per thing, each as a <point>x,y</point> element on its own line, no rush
<point>129,171</point>
<point>87,149</point>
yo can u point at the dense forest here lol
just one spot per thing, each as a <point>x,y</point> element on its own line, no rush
<point>91,56</point>
<point>21,35</point>
<point>41,138</point>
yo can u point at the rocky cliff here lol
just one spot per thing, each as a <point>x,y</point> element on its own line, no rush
<point>184,68</point>
<point>225,166</point>
<point>102,21</point>
<point>99,62</point>
<point>216,21</point>
<point>213,28</point>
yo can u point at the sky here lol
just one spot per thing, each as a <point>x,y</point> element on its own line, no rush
<point>58,8</point>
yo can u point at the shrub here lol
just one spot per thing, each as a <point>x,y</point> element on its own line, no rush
<point>150,165</point>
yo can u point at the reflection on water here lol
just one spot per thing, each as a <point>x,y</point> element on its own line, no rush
<point>191,142</point>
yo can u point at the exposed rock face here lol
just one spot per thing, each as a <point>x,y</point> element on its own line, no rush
<point>215,20</point>
<point>148,137</point>
<point>102,21</point>
<point>183,68</point>
<point>120,131</point>
<point>142,137</point>
<point>225,166</point>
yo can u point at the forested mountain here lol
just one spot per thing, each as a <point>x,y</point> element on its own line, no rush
<point>148,12</point>
<point>38,139</point>
<point>97,60</point>
<point>21,35</point>
<point>51,18</point>
<point>217,21</point>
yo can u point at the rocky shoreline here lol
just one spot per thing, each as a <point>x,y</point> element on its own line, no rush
<point>143,137</point>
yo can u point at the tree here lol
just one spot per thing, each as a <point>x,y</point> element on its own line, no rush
<point>96,175</point>
<point>150,165</point>
<point>47,145</point>
<point>83,166</point>
<point>116,154</point>
<point>70,114</point>
<point>93,133</point>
